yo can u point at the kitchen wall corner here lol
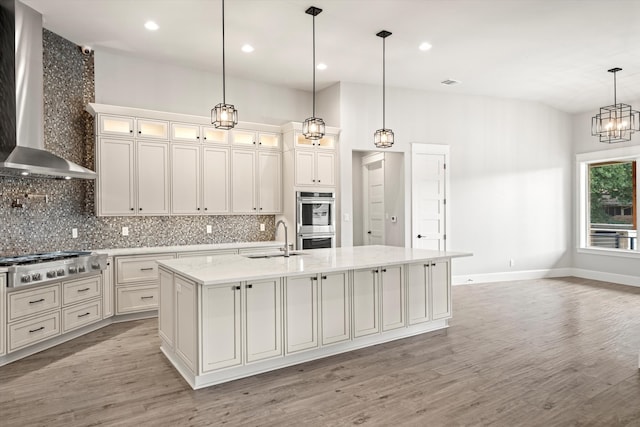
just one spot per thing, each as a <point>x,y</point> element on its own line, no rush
<point>40,226</point>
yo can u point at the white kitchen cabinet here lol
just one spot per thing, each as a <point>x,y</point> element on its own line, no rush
<point>269,185</point>
<point>3,317</point>
<point>335,309</point>
<point>108,295</point>
<point>429,292</point>
<point>185,179</point>
<point>314,168</point>
<point>243,181</point>
<point>216,183</point>
<point>365,302</point>
<point>116,125</point>
<point>80,315</point>
<point>133,177</point>
<point>392,297</point>
<point>152,129</point>
<point>166,311</point>
<point>263,323</point>
<point>221,333</point>
<point>301,313</point>
<point>189,132</point>
<point>116,179</point>
<point>326,142</point>
<point>257,139</point>
<point>185,322</point>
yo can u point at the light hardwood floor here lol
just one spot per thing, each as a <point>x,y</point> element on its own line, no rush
<point>540,352</point>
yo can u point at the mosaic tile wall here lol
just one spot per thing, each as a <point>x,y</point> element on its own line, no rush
<point>40,226</point>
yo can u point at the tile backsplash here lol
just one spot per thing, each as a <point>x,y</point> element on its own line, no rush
<point>43,225</point>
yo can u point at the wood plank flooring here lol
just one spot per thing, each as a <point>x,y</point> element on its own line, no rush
<point>551,352</point>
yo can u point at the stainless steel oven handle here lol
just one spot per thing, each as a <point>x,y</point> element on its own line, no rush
<point>312,200</point>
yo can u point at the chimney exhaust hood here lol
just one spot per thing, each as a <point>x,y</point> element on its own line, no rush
<point>22,150</point>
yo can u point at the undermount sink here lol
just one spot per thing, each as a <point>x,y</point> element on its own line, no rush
<point>274,255</point>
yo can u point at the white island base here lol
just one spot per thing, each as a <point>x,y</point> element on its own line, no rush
<point>227,317</point>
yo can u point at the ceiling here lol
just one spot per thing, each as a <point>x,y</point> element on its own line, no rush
<point>552,51</point>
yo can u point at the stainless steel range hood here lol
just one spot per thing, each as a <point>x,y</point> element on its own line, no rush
<point>22,150</point>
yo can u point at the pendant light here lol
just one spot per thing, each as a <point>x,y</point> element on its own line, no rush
<point>313,127</point>
<point>617,122</point>
<point>224,116</point>
<point>383,138</point>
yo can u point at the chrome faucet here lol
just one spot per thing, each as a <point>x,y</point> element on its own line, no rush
<point>286,237</point>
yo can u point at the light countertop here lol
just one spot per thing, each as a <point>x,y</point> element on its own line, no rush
<point>213,270</point>
<point>188,248</point>
<point>3,270</point>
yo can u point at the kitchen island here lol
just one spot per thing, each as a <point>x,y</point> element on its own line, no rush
<point>227,317</point>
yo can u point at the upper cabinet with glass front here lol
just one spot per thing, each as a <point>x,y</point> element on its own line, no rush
<point>257,139</point>
<point>133,127</point>
<point>328,142</point>
<point>186,132</point>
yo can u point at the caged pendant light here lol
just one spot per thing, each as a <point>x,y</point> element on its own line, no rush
<point>313,127</point>
<point>224,116</point>
<point>617,122</point>
<point>383,138</point>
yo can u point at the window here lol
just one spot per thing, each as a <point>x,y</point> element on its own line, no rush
<point>608,206</point>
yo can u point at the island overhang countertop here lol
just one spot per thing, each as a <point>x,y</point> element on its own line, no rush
<point>214,270</point>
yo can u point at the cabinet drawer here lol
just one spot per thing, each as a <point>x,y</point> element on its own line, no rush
<point>34,301</point>
<point>81,290</point>
<point>80,315</point>
<point>137,298</point>
<point>27,332</point>
<point>130,270</point>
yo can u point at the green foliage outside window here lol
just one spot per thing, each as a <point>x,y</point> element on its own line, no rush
<point>610,185</point>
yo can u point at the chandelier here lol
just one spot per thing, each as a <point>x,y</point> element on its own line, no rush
<point>617,122</point>
<point>313,127</point>
<point>383,138</point>
<point>223,115</point>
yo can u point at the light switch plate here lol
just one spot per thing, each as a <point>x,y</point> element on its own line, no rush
<point>209,229</point>
<point>125,231</point>
<point>74,233</point>
<point>262,228</point>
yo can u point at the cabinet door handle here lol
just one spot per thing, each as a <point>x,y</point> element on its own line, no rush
<point>84,315</point>
<point>369,232</point>
<point>324,277</point>
<point>375,271</point>
<point>83,290</point>
<point>36,301</point>
<point>147,297</point>
<point>36,330</point>
<point>131,208</point>
<point>419,236</point>
<point>384,270</point>
<point>235,288</point>
<point>314,278</point>
<point>249,286</point>
<point>146,269</point>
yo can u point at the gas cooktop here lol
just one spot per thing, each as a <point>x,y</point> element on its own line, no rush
<point>39,258</point>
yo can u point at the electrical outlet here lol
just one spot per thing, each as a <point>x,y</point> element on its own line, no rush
<point>125,231</point>
<point>209,229</point>
<point>262,228</point>
<point>512,262</point>
<point>74,233</point>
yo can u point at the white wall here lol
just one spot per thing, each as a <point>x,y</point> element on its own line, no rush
<point>510,166</point>
<point>328,105</point>
<point>134,82</point>
<point>583,142</point>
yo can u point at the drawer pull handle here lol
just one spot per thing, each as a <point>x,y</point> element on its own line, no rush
<point>36,301</point>
<point>36,330</point>
<point>84,290</point>
<point>83,315</point>
<point>147,269</point>
<point>147,297</point>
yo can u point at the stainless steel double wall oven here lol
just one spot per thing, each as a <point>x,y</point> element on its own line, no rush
<point>315,218</point>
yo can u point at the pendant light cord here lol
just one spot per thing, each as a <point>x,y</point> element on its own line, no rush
<point>383,81</point>
<point>615,101</point>
<point>314,66</point>
<point>223,64</point>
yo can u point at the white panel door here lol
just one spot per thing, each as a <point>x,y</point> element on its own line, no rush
<point>418,293</point>
<point>243,181</point>
<point>429,190</point>
<point>441,290</point>
<point>185,179</point>
<point>166,319</point>
<point>305,167</point>
<point>365,302</point>
<point>221,327</point>
<point>301,313</point>
<point>153,177</point>
<point>115,177</point>
<point>374,234</point>
<point>269,182</point>
<point>186,313</point>
<point>335,310</point>
<point>215,180</point>
<point>263,320</point>
<point>325,168</point>
<point>392,296</point>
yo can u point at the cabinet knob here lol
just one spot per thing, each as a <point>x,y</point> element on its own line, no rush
<point>139,132</point>
<point>375,271</point>
<point>318,180</point>
<point>324,277</point>
<point>314,180</point>
<point>198,208</point>
<point>139,209</point>
<point>313,278</point>
<point>205,209</point>
<point>369,232</point>
<point>260,208</point>
<point>130,130</point>
<point>254,209</point>
<point>249,286</point>
<point>131,208</point>
<point>384,270</point>
<point>235,288</point>
<point>419,236</point>
<point>197,137</point>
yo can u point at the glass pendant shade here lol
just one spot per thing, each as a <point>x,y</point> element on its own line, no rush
<point>224,116</point>
<point>617,122</point>
<point>313,128</point>
<point>383,138</point>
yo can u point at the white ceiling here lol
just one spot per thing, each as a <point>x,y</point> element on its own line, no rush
<point>552,51</point>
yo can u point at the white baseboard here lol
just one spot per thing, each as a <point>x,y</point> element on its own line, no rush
<point>506,276</point>
<point>621,279</point>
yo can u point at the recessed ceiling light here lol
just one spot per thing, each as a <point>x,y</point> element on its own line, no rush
<point>424,46</point>
<point>322,66</point>
<point>247,48</point>
<point>151,26</point>
<point>450,82</point>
